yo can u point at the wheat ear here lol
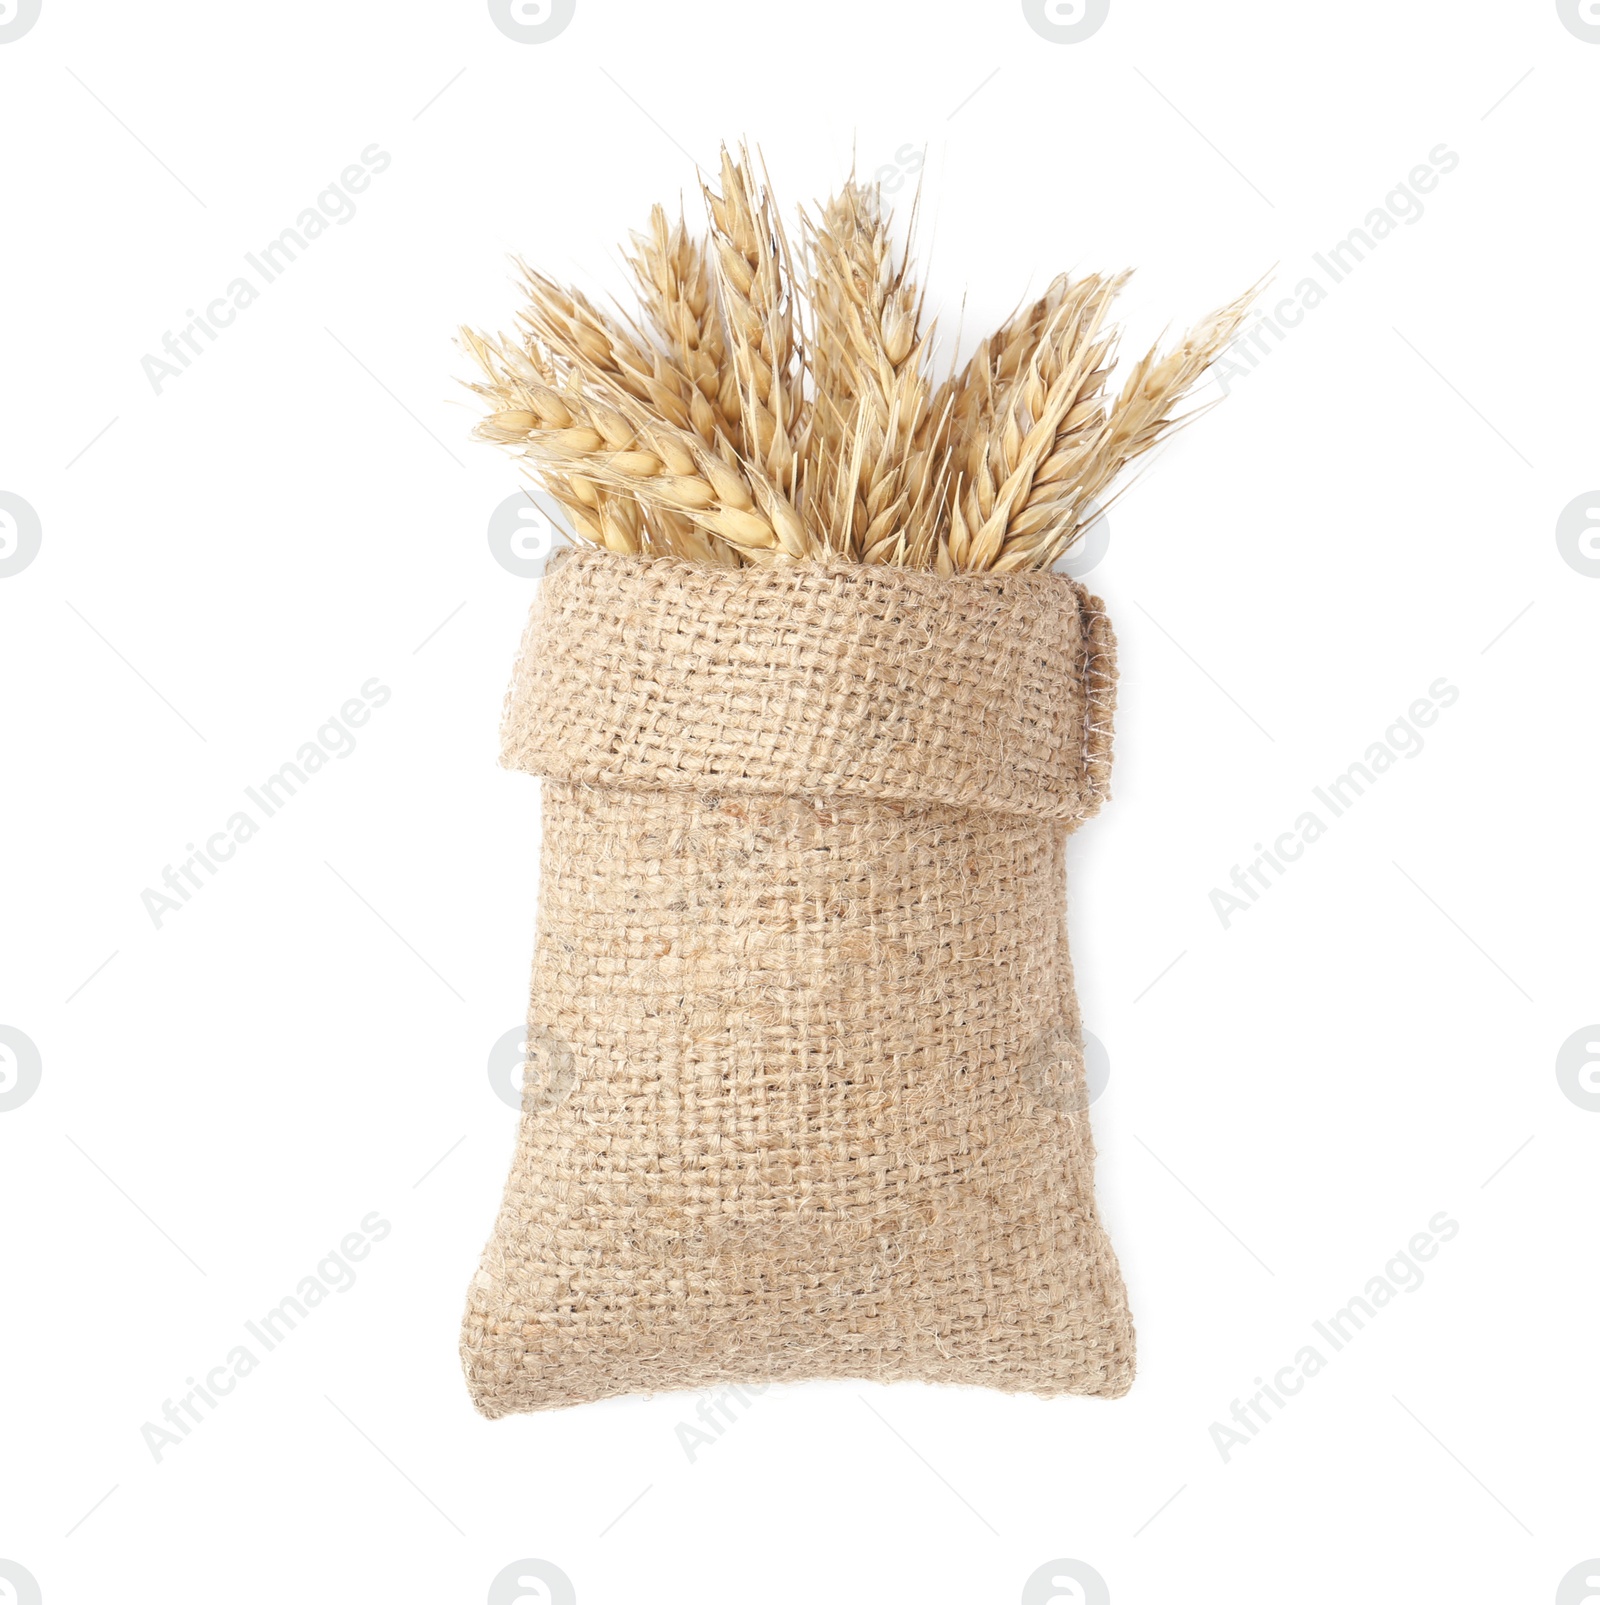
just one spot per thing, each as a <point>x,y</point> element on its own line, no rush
<point>675,285</point>
<point>1142,416</point>
<point>868,359</point>
<point>613,445</point>
<point>1030,408</point>
<point>755,288</point>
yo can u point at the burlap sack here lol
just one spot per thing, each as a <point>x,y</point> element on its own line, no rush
<point>805,1092</point>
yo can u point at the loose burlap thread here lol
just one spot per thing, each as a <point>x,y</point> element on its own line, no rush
<point>805,1088</point>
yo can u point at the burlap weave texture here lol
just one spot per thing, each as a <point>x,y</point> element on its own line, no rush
<point>805,1095</point>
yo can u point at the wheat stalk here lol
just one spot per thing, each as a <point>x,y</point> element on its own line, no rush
<point>868,362</point>
<point>1144,414</point>
<point>755,283</point>
<point>605,448</point>
<point>675,285</point>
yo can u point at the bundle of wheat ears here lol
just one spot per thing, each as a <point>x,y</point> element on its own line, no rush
<point>773,405</point>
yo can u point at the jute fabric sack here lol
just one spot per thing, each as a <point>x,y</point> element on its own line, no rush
<point>805,1087</point>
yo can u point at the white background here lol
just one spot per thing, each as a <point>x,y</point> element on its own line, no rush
<point>223,564</point>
